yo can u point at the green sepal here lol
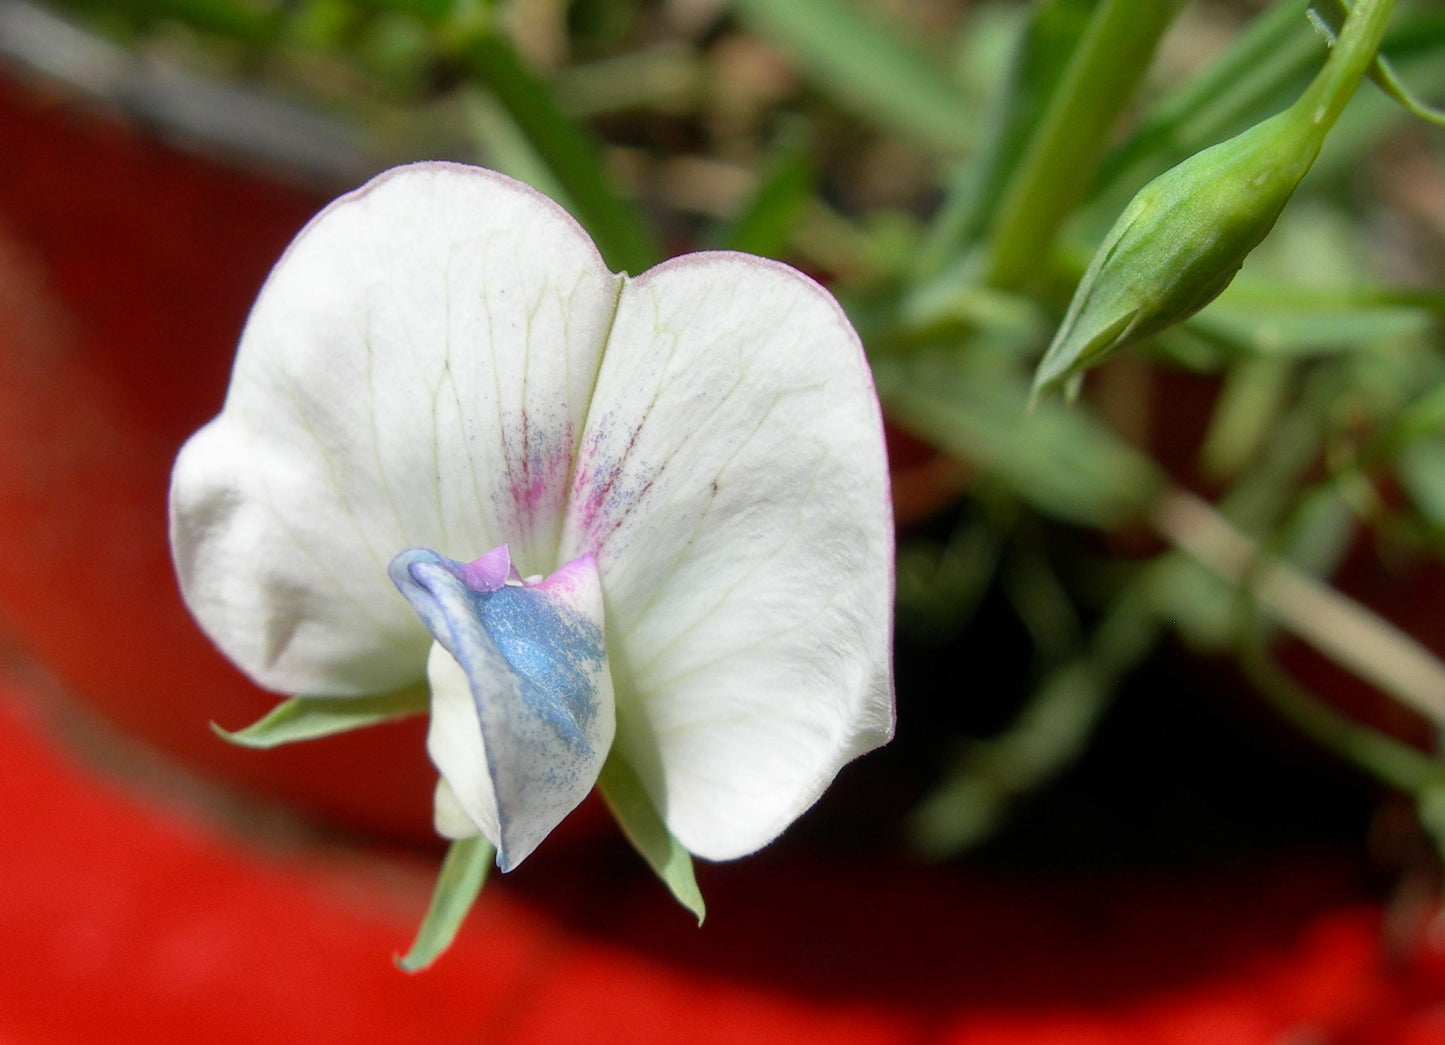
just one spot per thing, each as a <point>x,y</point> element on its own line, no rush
<point>310,718</point>
<point>1327,16</point>
<point>624,794</point>
<point>463,873</point>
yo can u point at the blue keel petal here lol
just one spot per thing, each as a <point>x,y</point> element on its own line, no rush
<point>535,661</point>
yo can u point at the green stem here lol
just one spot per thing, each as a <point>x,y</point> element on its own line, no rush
<point>1349,61</point>
<point>1273,52</point>
<point>1045,739</point>
<point>1393,761</point>
<point>1349,633</point>
<point>1072,136</point>
<point>1046,43</point>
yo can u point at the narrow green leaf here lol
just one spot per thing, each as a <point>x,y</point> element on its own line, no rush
<point>766,223</point>
<point>1396,763</point>
<point>1052,729</point>
<point>1349,633</point>
<point>1430,808</point>
<point>1277,320</point>
<point>1327,16</point>
<point>1250,404</point>
<point>463,873</point>
<point>567,147</point>
<point>433,11</point>
<point>239,20</point>
<point>1046,42</point>
<point>1072,135</point>
<point>634,811</point>
<point>1422,418</point>
<point>669,76</point>
<point>1049,734</point>
<point>865,63</point>
<point>502,146</point>
<point>310,718</point>
<point>1184,590</point>
<point>1058,459</point>
<point>1421,471</point>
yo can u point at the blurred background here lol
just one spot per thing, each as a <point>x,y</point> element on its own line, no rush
<point>1170,696</point>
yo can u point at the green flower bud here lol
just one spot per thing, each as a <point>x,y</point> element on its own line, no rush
<point>1180,241</point>
<point>1185,235</point>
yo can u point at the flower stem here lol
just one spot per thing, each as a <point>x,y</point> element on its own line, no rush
<point>1396,763</point>
<point>1346,631</point>
<point>1349,61</point>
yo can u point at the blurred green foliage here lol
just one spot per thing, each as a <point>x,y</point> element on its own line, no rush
<point>948,169</point>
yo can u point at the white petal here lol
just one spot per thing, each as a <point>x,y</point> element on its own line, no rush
<point>454,742</point>
<point>522,703</point>
<point>415,372</point>
<point>732,481</point>
<point>449,818</point>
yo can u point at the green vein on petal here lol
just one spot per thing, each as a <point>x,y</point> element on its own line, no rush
<point>639,821</point>
<point>310,718</point>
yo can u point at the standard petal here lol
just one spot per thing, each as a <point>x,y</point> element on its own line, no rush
<point>522,705</point>
<point>415,372</point>
<point>733,484</point>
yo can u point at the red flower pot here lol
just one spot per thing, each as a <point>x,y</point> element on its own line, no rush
<point>136,921</point>
<point>126,271</point>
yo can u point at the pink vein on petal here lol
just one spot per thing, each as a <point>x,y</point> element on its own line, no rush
<point>599,504</point>
<point>537,485</point>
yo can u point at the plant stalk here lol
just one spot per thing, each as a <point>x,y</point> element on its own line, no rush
<point>1073,135</point>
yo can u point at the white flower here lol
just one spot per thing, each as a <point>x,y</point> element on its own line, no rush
<point>441,377</point>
